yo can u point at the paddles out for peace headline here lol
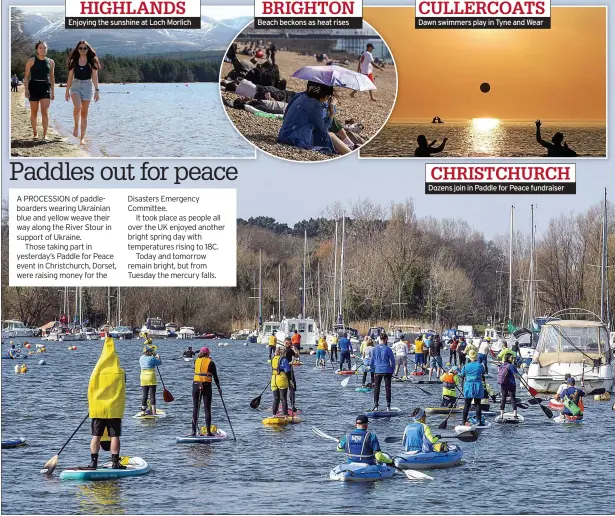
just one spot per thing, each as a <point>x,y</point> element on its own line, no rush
<point>64,171</point>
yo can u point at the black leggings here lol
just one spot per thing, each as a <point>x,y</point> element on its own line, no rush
<point>291,390</point>
<point>148,390</point>
<point>452,357</point>
<point>365,376</point>
<point>345,357</point>
<point>462,359</point>
<point>466,409</point>
<point>387,385</point>
<point>505,392</point>
<point>201,389</point>
<point>280,395</point>
<point>333,353</point>
<point>271,351</point>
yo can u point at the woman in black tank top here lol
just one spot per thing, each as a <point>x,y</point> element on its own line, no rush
<point>39,82</point>
<point>82,85</point>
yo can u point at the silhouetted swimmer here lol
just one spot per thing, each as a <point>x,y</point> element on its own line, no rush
<point>425,150</point>
<point>558,148</point>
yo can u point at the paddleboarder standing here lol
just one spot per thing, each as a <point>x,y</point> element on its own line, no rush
<point>204,373</point>
<point>383,365</point>
<point>106,402</point>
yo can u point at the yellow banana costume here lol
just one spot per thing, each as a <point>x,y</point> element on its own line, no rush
<point>107,387</point>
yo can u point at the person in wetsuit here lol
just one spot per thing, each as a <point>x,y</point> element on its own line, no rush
<point>557,148</point>
<point>425,150</point>
<point>189,353</point>
<point>291,354</point>
<point>204,372</point>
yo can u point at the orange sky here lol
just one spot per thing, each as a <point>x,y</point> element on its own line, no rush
<point>557,73</point>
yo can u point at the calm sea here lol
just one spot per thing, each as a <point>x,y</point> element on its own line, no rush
<point>536,467</point>
<point>155,120</point>
<point>487,138</point>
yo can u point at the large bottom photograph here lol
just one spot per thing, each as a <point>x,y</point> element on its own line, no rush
<point>368,345</point>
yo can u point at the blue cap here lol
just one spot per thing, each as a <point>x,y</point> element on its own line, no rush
<point>571,380</point>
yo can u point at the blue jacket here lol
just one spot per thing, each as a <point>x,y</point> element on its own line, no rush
<point>472,374</point>
<point>306,126</point>
<point>345,344</point>
<point>415,439</point>
<point>360,446</point>
<point>149,362</point>
<point>383,360</point>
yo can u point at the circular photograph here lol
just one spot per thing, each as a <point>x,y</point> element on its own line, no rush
<point>308,95</point>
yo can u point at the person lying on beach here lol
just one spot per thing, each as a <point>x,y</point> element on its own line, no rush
<point>246,88</point>
<point>308,119</point>
<point>274,107</point>
<point>425,150</point>
<point>558,148</point>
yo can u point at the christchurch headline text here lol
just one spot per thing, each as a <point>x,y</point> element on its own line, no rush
<point>502,173</point>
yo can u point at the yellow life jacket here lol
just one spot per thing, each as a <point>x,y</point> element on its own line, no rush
<point>279,379</point>
<point>107,387</point>
<point>201,370</point>
<point>272,341</point>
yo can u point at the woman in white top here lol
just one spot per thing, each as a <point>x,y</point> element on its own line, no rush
<point>400,348</point>
<point>366,355</point>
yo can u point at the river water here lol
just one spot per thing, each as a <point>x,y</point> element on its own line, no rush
<point>155,120</point>
<point>536,467</point>
<point>487,138</point>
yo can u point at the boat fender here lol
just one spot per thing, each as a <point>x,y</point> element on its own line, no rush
<point>17,368</point>
<point>42,362</point>
<point>27,346</point>
<point>24,368</point>
<point>312,352</point>
<point>602,397</point>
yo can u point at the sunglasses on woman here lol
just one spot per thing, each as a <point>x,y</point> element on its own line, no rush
<point>83,48</point>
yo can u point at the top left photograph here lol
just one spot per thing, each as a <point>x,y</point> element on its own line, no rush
<point>121,93</point>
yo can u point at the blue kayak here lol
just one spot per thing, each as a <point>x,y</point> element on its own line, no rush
<point>135,466</point>
<point>385,413</point>
<point>430,460</point>
<point>13,443</point>
<point>16,357</point>
<point>360,472</point>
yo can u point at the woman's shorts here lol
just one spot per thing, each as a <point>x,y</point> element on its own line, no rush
<point>419,358</point>
<point>401,360</point>
<point>321,353</point>
<point>39,90</point>
<point>85,89</point>
<point>436,362</point>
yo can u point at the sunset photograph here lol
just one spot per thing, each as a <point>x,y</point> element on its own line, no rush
<point>496,93</point>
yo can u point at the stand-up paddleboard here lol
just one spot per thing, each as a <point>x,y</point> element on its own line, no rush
<point>294,413</point>
<point>13,443</point>
<point>160,414</point>
<point>394,412</point>
<point>417,373</point>
<point>135,466</point>
<point>567,420</point>
<point>442,410</point>
<point>344,372</point>
<point>509,417</point>
<point>462,428</point>
<point>426,381</point>
<point>219,435</point>
<point>364,389</point>
<point>188,359</point>
<point>281,420</point>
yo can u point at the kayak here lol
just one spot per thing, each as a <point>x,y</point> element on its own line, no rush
<point>385,413</point>
<point>13,443</point>
<point>134,466</point>
<point>344,372</point>
<point>16,357</point>
<point>188,359</point>
<point>360,472</point>
<point>281,420</point>
<point>556,405</point>
<point>430,460</point>
<point>570,420</point>
<point>509,417</point>
<point>220,435</point>
<point>160,414</point>
<point>364,389</point>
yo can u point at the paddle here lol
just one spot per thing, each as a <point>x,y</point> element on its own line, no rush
<point>601,390</point>
<point>547,411</point>
<point>227,416</point>
<point>51,464</point>
<point>346,380</point>
<point>257,401</point>
<point>535,401</point>
<point>420,388</point>
<point>166,395</point>
<point>410,473</point>
<point>466,437</point>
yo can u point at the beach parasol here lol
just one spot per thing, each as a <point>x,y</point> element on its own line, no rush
<point>335,76</point>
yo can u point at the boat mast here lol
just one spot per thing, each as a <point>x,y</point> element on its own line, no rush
<point>279,292</point>
<point>319,307</point>
<point>119,306</point>
<point>340,319</point>
<point>531,289</point>
<point>304,262</point>
<point>334,274</point>
<point>510,262</point>
<point>603,266</point>
<point>76,303</point>
<point>108,305</point>
<point>80,306</point>
<point>260,288</point>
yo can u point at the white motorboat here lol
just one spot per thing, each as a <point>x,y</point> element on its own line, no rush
<point>577,347</point>
<point>12,329</point>
<point>186,333</point>
<point>241,334</point>
<point>154,327</point>
<point>306,327</point>
<point>269,328</point>
<point>172,329</point>
<point>121,332</point>
<point>90,333</point>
